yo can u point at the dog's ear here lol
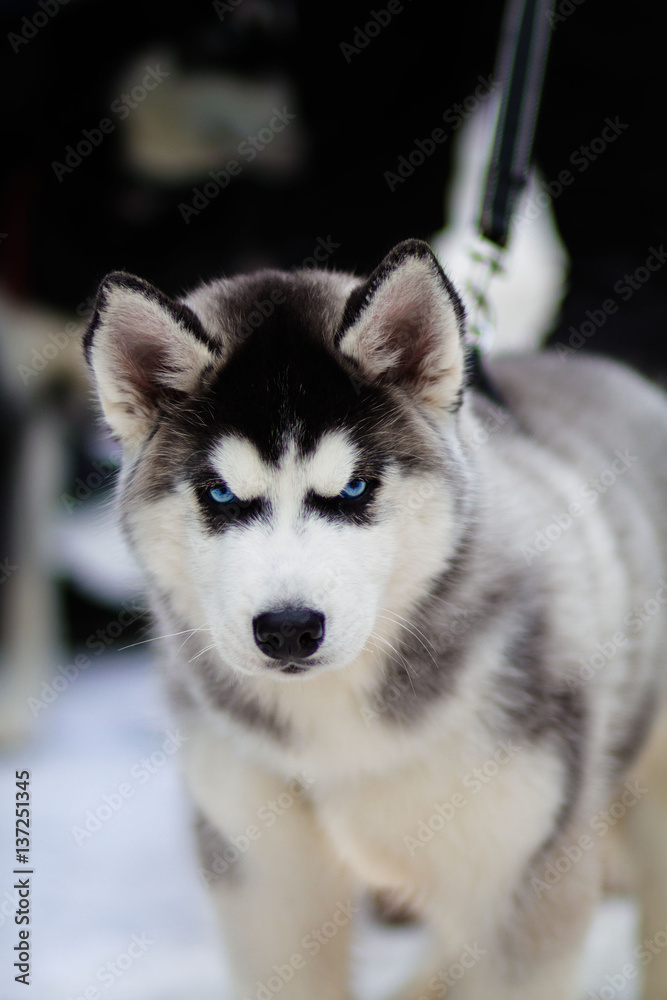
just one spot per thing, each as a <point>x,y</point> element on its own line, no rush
<point>405,326</point>
<point>144,349</point>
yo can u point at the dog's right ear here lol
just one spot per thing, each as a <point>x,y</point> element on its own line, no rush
<point>144,349</point>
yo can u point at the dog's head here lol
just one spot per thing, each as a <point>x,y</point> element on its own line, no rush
<point>286,440</point>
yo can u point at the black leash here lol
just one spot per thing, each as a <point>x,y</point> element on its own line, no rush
<point>520,65</point>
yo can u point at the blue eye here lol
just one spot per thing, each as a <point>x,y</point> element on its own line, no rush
<point>354,488</point>
<point>220,494</point>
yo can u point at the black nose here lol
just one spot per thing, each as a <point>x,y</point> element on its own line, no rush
<point>290,634</point>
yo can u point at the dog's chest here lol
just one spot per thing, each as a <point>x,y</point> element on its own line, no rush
<point>443,817</point>
<point>405,806</point>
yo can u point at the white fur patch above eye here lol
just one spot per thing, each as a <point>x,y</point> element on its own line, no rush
<point>332,465</point>
<point>242,468</point>
<point>325,471</point>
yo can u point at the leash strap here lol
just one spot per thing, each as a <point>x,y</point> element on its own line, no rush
<point>520,65</point>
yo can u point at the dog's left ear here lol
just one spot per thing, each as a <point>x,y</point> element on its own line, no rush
<point>405,326</point>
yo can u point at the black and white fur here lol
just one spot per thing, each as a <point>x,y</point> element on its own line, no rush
<point>415,632</point>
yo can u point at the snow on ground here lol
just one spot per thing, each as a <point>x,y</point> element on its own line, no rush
<point>134,880</point>
<point>100,749</point>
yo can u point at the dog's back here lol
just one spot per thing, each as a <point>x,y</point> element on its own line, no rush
<point>597,445</point>
<point>583,457</point>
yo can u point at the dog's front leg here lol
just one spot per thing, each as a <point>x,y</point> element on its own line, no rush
<point>284,903</point>
<point>528,951</point>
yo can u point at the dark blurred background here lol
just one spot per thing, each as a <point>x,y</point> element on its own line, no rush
<point>180,142</point>
<point>359,83</point>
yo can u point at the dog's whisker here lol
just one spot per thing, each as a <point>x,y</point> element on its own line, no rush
<point>201,628</point>
<point>415,635</point>
<point>170,635</point>
<point>410,624</point>
<point>402,618</point>
<point>201,652</point>
<point>403,661</point>
<point>409,627</point>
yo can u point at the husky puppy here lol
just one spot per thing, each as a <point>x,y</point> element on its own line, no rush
<point>417,637</point>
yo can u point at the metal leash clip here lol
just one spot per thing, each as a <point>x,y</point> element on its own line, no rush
<point>487,261</point>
